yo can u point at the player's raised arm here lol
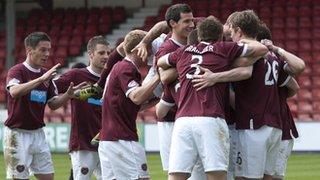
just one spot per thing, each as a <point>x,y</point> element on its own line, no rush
<point>18,90</point>
<point>295,64</point>
<point>154,32</point>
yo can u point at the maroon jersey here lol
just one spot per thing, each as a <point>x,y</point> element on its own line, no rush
<point>168,46</point>
<point>170,97</point>
<point>27,112</point>
<point>288,126</point>
<point>257,98</point>
<point>119,113</point>
<point>289,129</point>
<point>217,57</point>
<point>85,115</point>
<point>113,59</point>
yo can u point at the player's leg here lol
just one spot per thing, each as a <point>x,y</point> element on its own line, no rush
<point>212,140</point>
<point>42,165</point>
<point>165,132</point>
<point>17,159</point>
<point>283,156</point>
<point>128,159</point>
<point>273,149</point>
<point>97,168</point>
<point>252,152</point>
<point>233,151</point>
<point>105,165</point>
<point>83,164</point>
<point>183,151</point>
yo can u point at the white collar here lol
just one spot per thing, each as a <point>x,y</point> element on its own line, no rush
<point>126,58</point>
<point>206,43</point>
<point>92,72</point>
<point>31,68</point>
<point>176,42</point>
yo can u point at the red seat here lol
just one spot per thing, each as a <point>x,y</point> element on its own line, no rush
<point>304,94</point>
<point>305,22</point>
<point>278,34</point>
<point>316,69</point>
<point>76,40</point>
<point>304,117</point>
<point>316,81</point>
<point>304,81</point>
<point>305,107</point>
<point>3,53</point>
<point>305,33</point>
<point>265,12</point>
<point>291,22</point>
<point>63,41</point>
<point>67,30</point>
<point>61,52</point>
<point>316,106</point>
<point>292,10</point>
<point>278,12</point>
<point>278,23</point>
<point>316,56</point>
<point>305,46</point>
<point>79,30</point>
<point>292,46</point>
<point>316,45</point>
<point>305,11</point>
<point>316,116</point>
<point>74,50</point>
<point>291,34</point>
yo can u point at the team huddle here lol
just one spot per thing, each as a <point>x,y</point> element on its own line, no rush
<point>220,93</point>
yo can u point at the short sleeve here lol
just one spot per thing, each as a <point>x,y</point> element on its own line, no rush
<point>128,80</point>
<point>14,77</point>
<point>52,90</point>
<point>167,98</point>
<point>172,58</point>
<point>62,82</point>
<point>283,76</point>
<point>233,50</point>
<point>157,43</point>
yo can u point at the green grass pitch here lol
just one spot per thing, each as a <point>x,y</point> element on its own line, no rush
<point>304,166</point>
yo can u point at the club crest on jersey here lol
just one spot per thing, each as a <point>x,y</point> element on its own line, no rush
<point>20,168</point>
<point>84,170</point>
<point>132,84</point>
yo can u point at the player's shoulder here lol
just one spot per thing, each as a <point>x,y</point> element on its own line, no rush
<point>17,68</point>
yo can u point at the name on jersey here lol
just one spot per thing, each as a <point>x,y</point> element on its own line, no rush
<point>38,96</point>
<point>194,49</point>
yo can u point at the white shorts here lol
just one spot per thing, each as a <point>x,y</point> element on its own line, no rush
<point>84,164</point>
<point>256,152</point>
<point>198,171</point>
<point>283,156</point>
<point>165,132</point>
<point>26,152</point>
<point>151,73</point>
<point>206,138</point>
<point>233,134</point>
<point>127,159</point>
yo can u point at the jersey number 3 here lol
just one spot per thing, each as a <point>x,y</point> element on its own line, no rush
<point>271,76</point>
<point>195,70</point>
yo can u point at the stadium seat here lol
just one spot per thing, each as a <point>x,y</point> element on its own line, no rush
<point>304,46</point>
<point>304,81</point>
<point>292,10</point>
<point>304,94</point>
<point>305,34</point>
<point>291,22</point>
<point>291,34</point>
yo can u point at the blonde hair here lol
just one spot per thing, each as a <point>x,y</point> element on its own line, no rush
<point>132,39</point>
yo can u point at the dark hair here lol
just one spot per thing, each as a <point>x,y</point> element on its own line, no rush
<point>210,30</point>
<point>247,21</point>
<point>264,32</point>
<point>78,65</point>
<point>33,39</point>
<point>94,41</point>
<point>193,37</point>
<point>174,11</point>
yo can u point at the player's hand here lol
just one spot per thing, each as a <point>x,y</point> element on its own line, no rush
<point>50,73</point>
<point>142,50</point>
<point>269,45</point>
<point>204,80</point>
<point>72,88</point>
